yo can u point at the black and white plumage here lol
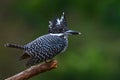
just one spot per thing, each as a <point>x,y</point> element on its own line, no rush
<point>49,45</point>
<point>58,25</point>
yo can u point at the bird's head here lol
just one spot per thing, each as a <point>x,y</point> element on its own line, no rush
<point>59,27</point>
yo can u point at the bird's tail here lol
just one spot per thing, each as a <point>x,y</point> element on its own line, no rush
<point>14,46</point>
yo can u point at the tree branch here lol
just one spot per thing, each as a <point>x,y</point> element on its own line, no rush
<point>34,70</point>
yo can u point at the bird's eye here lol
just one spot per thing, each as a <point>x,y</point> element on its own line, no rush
<point>60,30</point>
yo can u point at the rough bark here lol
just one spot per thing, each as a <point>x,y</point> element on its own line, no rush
<point>34,70</point>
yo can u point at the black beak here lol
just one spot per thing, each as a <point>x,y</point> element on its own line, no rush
<point>72,32</point>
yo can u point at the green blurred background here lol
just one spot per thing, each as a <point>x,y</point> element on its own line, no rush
<point>94,55</point>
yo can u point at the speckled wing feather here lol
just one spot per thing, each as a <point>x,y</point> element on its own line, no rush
<point>44,48</point>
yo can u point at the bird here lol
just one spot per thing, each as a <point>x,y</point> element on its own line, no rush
<point>46,47</point>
